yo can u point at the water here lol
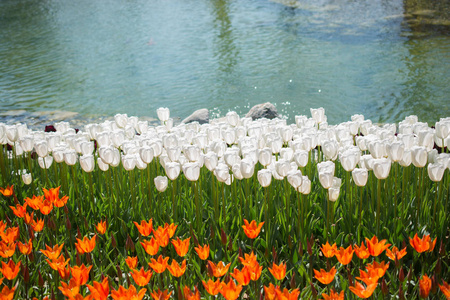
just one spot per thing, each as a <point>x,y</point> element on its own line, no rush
<point>383,59</point>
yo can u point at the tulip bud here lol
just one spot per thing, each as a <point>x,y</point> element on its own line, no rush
<point>438,268</point>
<point>349,276</point>
<point>129,245</point>
<point>78,259</point>
<point>40,280</point>
<point>113,241</point>
<point>51,224</point>
<point>53,297</point>
<point>401,275</point>
<point>119,271</point>
<point>210,270</point>
<point>384,287</point>
<point>274,255</point>
<point>313,289</point>
<point>89,258</point>
<point>68,224</point>
<point>434,285</point>
<point>409,275</point>
<point>25,273</point>
<point>442,251</point>
<point>223,236</point>
<point>230,245</point>
<point>292,282</point>
<point>27,178</point>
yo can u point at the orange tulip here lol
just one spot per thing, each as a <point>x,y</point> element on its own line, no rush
<point>7,294</point>
<point>278,271</point>
<point>8,191</point>
<point>203,252</point>
<point>190,295</point>
<point>371,276</point>
<point>327,250</point>
<point>35,202</point>
<point>379,268</point>
<point>171,228</point>
<point>7,250</point>
<point>423,244</point>
<point>99,291</point>
<point>175,269</point>
<point>64,273</point>
<point>159,265</point>
<point>242,277</point>
<point>220,269</point>
<point>53,196</point>
<point>334,295</point>
<point>255,271</point>
<point>2,226</point>
<point>28,218</point>
<point>151,246</point>
<point>46,207</point>
<point>231,291</point>
<point>141,277</point>
<point>86,245</point>
<point>162,236</point>
<point>131,262</point>
<point>101,227</point>
<point>25,248</point>
<point>59,263</point>
<point>424,286</point>
<point>375,247</point>
<point>145,228</point>
<point>248,259</point>
<point>161,295</point>
<point>252,230</point>
<point>181,246</point>
<point>19,210</point>
<point>345,256</point>
<point>10,270</point>
<point>445,289</point>
<point>52,253</point>
<point>325,277</point>
<point>38,225</point>
<point>363,292</point>
<point>212,287</point>
<point>130,294</point>
<point>80,274</point>
<point>10,235</point>
<point>395,253</point>
<point>286,295</point>
<point>362,252</point>
<point>270,292</point>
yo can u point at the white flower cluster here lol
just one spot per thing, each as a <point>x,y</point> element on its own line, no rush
<point>231,147</point>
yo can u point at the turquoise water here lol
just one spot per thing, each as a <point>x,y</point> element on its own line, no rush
<point>383,59</point>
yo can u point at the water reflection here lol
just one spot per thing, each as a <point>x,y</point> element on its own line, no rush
<point>427,18</point>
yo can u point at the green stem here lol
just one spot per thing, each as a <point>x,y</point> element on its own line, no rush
<point>378,206</point>
<point>75,189</point>
<point>150,198</point>
<point>91,190</point>
<point>197,207</point>
<point>360,213</point>
<point>2,166</point>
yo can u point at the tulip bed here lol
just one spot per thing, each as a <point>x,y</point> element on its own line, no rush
<point>143,210</point>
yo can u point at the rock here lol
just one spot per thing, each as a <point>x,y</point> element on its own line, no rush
<point>201,116</point>
<point>265,110</point>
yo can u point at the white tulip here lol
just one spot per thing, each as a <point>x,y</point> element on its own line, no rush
<point>360,176</point>
<point>326,179</point>
<point>442,130</point>
<point>26,177</point>
<point>87,163</point>
<point>222,172</point>
<point>102,165</point>
<point>426,139</point>
<point>436,171</point>
<point>70,157</point>
<point>247,167</point>
<point>191,170</point>
<point>173,153</point>
<point>265,156</point>
<point>172,169</point>
<point>395,150</point>
<point>169,124</point>
<point>381,168</point>
<point>163,114</point>
<point>287,153</point>
<point>333,191</point>
<point>117,137</point>
<point>406,159</point>
<point>282,167</point>
<point>45,162</point>
<point>231,157</point>
<point>146,153</point>
<point>301,157</point>
<point>192,152</point>
<point>305,188</point>
<point>326,166</point>
<point>419,156</point>
<point>330,149</point>
<point>236,169</point>
<point>232,118</point>
<point>211,160</point>
<point>157,147</point>
<point>161,183</point>
<point>275,144</point>
<point>294,177</point>
<point>318,114</point>
<point>264,177</point>
<point>27,143</point>
<point>349,159</point>
<point>11,133</point>
<point>129,162</point>
<point>41,148</point>
<point>121,120</point>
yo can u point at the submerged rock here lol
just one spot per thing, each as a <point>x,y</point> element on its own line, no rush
<point>201,116</point>
<point>264,110</point>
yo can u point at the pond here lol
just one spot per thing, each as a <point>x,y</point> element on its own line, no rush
<point>384,59</point>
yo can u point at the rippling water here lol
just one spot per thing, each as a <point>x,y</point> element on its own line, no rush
<point>384,59</point>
